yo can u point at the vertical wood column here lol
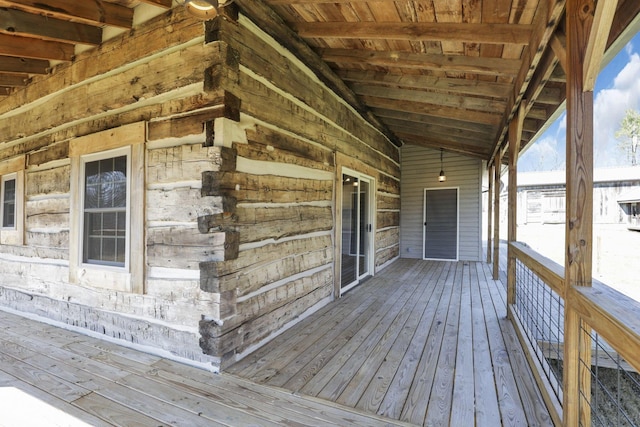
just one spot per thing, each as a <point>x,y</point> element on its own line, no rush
<point>515,135</point>
<point>497,163</point>
<point>579,208</point>
<point>489,211</point>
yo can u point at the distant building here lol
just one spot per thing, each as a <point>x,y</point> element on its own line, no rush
<point>616,198</point>
<point>629,201</point>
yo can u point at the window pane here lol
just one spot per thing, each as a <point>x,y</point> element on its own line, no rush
<point>120,250</point>
<point>9,203</point>
<point>109,249</point>
<point>105,211</point>
<point>121,224</point>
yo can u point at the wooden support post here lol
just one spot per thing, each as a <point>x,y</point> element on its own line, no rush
<point>489,211</point>
<point>579,210</point>
<point>497,163</point>
<point>515,136</point>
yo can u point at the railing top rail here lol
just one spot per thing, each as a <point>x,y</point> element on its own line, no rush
<point>613,315</point>
<point>549,271</point>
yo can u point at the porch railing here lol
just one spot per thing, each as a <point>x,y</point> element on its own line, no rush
<point>606,389</point>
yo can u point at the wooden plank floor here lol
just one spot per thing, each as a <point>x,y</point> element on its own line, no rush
<point>423,342</point>
<point>53,377</point>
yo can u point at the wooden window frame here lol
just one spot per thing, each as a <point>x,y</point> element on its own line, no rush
<point>13,169</point>
<point>127,140</point>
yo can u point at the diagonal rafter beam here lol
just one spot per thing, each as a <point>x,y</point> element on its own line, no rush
<point>597,43</point>
<point>545,24</point>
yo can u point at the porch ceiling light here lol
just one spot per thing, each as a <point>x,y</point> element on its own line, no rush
<point>442,177</point>
<point>204,9</point>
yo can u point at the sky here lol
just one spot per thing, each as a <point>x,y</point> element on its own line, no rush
<point>617,90</point>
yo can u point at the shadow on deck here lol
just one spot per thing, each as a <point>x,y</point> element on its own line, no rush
<point>423,342</point>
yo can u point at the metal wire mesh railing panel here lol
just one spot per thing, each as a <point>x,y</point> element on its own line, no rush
<point>614,398</point>
<point>540,311</point>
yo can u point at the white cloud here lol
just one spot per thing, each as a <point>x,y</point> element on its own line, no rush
<point>629,48</point>
<point>546,154</point>
<point>610,106</point>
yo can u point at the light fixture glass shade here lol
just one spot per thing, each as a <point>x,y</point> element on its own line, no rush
<point>442,177</point>
<point>202,9</point>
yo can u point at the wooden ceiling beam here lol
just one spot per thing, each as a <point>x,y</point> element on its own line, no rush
<point>26,47</point>
<point>292,2</point>
<point>532,125</point>
<point>551,95</point>
<point>433,110</point>
<point>429,97</point>
<point>43,27</point>
<point>166,4</point>
<point>13,80</point>
<point>5,91</point>
<point>452,146</point>
<point>479,128</point>
<point>417,31</point>
<point>441,84</point>
<point>442,133</point>
<point>447,63</point>
<point>538,112</point>
<point>11,64</point>
<point>92,12</point>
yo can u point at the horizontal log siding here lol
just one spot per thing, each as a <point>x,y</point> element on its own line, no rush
<point>284,187</point>
<point>420,170</point>
<point>157,73</point>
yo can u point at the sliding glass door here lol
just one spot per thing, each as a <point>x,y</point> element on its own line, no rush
<point>357,229</point>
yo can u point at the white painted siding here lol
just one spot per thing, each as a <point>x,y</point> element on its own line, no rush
<point>420,169</point>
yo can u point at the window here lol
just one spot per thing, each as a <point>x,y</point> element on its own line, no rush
<point>106,233</point>
<point>9,202</point>
<point>105,211</point>
<point>12,201</point>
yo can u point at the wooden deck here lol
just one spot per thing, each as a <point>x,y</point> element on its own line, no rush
<point>53,377</point>
<point>422,342</point>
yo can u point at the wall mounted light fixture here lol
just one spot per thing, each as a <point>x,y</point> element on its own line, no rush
<point>442,177</point>
<point>204,9</point>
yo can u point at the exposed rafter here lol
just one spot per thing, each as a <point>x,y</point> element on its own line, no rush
<point>496,67</point>
<point>414,31</point>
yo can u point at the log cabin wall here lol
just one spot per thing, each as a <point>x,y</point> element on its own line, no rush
<point>143,93</point>
<point>298,135</point>
<point>236,148</point>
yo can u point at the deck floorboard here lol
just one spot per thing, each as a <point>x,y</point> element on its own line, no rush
<point>420,343</point>
<point>53,376</point>
<point>423,342</point>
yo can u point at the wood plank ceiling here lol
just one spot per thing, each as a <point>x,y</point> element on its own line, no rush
<point>437,73</point>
